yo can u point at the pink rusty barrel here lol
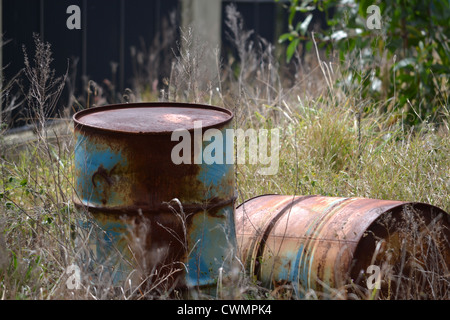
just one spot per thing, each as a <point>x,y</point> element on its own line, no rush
<point>317,242</point>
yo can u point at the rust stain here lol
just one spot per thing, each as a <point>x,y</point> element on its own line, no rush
<point>124,152</point>
<point>105,174</point>
<point>312,240</point>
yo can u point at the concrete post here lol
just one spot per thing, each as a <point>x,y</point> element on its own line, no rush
<point>204,17</point>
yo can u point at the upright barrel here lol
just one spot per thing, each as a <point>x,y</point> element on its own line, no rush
<point>169,218</point>
<point>323,243</point>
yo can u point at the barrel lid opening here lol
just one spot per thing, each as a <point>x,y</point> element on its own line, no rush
<point>152,117</point>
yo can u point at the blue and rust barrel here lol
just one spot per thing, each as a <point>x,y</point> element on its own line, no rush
<point>173,222</point>
<point>324,243</point>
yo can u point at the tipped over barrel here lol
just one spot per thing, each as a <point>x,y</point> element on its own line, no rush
<point>169,218</point>
<point>321,243</point>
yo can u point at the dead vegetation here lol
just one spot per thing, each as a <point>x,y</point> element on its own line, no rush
<point>330,146</point>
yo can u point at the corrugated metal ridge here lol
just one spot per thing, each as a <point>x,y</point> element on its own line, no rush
<point>164,207</point>
<point>305,238</point>
<point>261,245</point>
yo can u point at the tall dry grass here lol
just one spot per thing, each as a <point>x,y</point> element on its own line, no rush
<point>333,143</point>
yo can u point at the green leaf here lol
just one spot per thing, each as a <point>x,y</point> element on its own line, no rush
<point>285,36</point>
<point>260,116</point>
<point>291,49</point>
<point>24,182</point>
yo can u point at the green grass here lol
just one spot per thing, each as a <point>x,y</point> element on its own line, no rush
<point>322,154</point>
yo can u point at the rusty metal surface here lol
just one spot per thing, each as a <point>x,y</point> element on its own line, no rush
<point>310,241</point>
<point>129,170</point>
<point>159,118</point>
<point>125,177</point>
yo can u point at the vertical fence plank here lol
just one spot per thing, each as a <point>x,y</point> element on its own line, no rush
<point>109,28</point>
<point>66,45</point>
<point>19,24</point>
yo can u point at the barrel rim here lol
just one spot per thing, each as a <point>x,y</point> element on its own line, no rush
<point>398,208</point>
<point>431,212</point>
<point>79,124</point>
<point>294,196</point>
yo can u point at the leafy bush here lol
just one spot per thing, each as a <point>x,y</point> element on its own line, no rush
<point>406,60</point>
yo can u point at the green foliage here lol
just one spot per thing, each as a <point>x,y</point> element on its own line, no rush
<point>407,60</point>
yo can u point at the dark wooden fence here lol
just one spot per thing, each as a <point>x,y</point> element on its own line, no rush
<point>109,28</point>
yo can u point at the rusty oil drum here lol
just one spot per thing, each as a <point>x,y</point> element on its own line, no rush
<point>317,242</point>
<point>126,179</point>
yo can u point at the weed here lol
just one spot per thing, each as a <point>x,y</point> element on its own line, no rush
<point>334,143</point>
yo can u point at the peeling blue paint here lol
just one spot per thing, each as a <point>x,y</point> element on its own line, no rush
<point>89,157</point>
<point>213,244</point>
